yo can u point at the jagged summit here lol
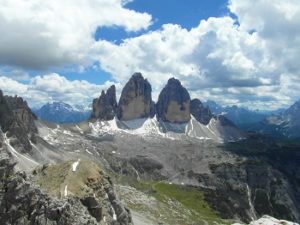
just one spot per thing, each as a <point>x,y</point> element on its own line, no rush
<point>136,100</point>
<point>200,112</point>
<point>17,121</point>
<point>173,103</point>
<point>104,107</point>
<point>172,112</point>
<point>61,112</point>
<point>283,125</point>
<point>175,115</point>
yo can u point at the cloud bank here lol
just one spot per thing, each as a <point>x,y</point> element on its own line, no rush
<point>50,33</point>
<point>250,59</point>
<point>53,87</point>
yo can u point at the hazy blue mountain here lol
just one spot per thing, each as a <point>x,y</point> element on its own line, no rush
<point>285,124</point>
<point>60,112</point>
<point>242,117</point>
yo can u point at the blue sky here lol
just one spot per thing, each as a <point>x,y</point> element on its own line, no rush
<point>187,13</point>
<point>235,52</point>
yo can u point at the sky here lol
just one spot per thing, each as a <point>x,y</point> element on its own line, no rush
<point>235,52</point>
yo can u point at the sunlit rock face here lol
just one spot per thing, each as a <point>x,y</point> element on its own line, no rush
<point>104,107</point>
<point>136,101</point>
<point>174,103</point>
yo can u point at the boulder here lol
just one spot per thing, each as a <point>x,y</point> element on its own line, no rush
<point>173,103</point>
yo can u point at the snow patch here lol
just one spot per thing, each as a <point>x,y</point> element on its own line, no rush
<point>79,129</point>
<point>15,153</point>
<point>66,191</point>
<point>114,213</point>
<point>153,127</point>
<point>74,165</point>
<point>252,209</point>
<point>88,152</point>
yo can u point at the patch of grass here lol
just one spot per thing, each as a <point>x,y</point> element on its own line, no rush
<point>190,197</point>
<point>54,178</point>
<point>179,204</point>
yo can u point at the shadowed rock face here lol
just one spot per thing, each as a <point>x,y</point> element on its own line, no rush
<point>24,201</point>
<point>173,103</point>
<point>17,120</point>
<point>200,112</point>
<point>136,101</point>
<point>104,107</point>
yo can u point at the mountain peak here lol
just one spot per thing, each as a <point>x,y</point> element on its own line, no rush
<point>174,81</point>
<point>173,103</point>
<point>61,112</point>
<point>200,112</point>
<point>104,107</point>
<point>136,100</point>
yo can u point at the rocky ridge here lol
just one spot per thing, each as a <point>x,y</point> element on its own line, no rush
<point>282,125</point>
<point>105,107</point>
<point>174,104</point>
<point>37,198</point>
<point>62,113</point>
<point>17,121</point>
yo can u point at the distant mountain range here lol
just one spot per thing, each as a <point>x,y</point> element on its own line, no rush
<point>242,117</point>
<point>283,125</point>
<point>278,123</point>
<point>60,112</point>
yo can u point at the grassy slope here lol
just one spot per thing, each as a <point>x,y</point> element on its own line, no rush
<point>177,204</point>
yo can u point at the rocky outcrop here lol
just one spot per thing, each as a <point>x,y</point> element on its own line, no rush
<point>17,120</point>
<point>88,183</point>
<point>105,107</point>
<point>200,112</point>
<point>25,201</point>
<point>250,190</point>
<point>173,103</point>
<point>136,101</point>
<point>22,203</point>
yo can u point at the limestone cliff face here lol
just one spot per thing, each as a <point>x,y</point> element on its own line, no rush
<point>17,120</point>
<point>136,101</point>
<point>104,107</point>
<point>173,103</point>
<point>200,112</point>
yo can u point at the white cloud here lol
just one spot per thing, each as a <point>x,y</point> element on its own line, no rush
<point>277,24</point>
<point>224,59</point>
<point>12,87</point>
<point>53,87</point>
<point>214,54</point>
<point>16,74</point>
<point>47,33</point>
<point>251,60</point>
